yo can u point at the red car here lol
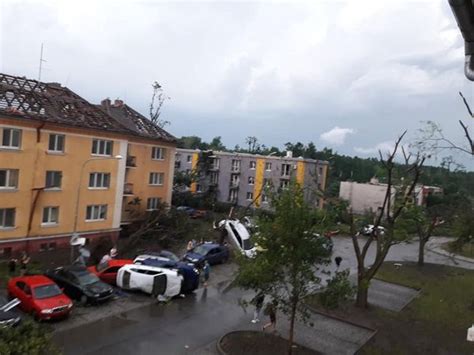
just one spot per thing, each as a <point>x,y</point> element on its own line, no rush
<point>107,272</point>
<point>40,296</point>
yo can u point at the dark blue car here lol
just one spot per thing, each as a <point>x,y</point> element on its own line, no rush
<point>168,260</point>
<point>213,253</point>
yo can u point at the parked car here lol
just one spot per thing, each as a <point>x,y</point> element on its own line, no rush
<point>186,209</point>
<point>213,253</point>
<point>160,282</point>
<point>107,271</point>
<point>9,316</point>
<point>238,236</point>
<point>168,260</point>
<point>369,229</point>
<point>198,214</point>
<point>80,284</point>
<point>39,296</point>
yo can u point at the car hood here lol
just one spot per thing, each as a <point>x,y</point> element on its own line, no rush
<point>97,287</point>
<point>52,302</point>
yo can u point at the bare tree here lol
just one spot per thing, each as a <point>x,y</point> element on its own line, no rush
<point>157,100</point>
<point>389,213</point>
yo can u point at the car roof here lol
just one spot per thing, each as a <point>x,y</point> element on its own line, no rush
<point>34,280</point>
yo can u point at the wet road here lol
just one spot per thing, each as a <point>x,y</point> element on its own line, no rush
<point>192,325</point>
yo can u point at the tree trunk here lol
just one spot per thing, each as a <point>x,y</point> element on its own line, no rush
<point>362,292</point>
<point>292,328</point>
<point>421,252</point>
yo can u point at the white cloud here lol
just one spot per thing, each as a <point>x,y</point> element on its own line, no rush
<point>337,135</point>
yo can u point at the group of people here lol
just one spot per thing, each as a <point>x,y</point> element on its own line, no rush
<point>23,261</point>
<point>270,310</point>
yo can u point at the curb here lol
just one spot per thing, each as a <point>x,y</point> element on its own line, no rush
<point>455,257</point>
<point>218,345</point>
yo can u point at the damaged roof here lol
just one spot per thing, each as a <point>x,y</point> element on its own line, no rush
<point>53,103</point>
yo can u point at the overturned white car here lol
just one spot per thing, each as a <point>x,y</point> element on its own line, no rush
<point>238,236</point>
<point>159,282</point>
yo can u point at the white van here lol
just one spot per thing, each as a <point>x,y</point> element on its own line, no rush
<point>159,282</point>
<point>238,236</point>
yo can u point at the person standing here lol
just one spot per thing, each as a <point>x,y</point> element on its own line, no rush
<point>206,270</point>
<point>271,312</point>
<point>338,261</point>
<point>24,260</point>
<point>190,246</point>
<point>12,266</point>
<point>258,301</point>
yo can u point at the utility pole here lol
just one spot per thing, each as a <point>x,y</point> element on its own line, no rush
<point>41,63</point>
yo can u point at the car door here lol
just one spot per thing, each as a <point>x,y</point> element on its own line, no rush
<point>109,275</point>
<point>212,256</point>
<point>159,284</point>
<point>19,292</point>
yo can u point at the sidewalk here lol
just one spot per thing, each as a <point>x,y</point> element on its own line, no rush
<point>434,245</point>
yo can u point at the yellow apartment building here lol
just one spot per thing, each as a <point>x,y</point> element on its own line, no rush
<point>70,167</point>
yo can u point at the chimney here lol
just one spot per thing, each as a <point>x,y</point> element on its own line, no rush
<point>105,103</point>
<point>118,103</point>
<point>289,154</point>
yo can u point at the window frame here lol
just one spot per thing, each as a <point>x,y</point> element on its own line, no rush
<point>152,203</point>
<point>46,187</point>
<point>96,143</point>
<point>268,166</point>
<point>158,181</point>
<point>56,139</point>
<point>160,150</point>
<point>48,210</point>
<point>3,218</point>
<point>249,193</point>
<point>96,210</point>
<point>253,165</point>
<point>8,177</point>
<point>11,138</point>
<point>97,177</point>
<point>253,180</point>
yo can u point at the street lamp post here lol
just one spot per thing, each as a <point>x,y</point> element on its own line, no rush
<point>76,211</point>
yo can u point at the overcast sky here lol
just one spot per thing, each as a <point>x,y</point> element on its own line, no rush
<point>350,75</point>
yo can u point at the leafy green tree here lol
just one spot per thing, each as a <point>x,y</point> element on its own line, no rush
<point>216,144</point>
<point>338,290</point>
<point>290,254</point>
<point>28,338</point>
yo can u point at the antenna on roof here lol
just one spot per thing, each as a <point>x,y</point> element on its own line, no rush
<point>41,63</point>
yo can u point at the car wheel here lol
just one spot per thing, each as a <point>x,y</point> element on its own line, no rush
<point>83,300</point>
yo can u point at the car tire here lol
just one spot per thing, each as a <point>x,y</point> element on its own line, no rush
<point>83,300</point>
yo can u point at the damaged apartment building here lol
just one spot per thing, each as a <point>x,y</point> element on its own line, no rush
<point>241,178</point>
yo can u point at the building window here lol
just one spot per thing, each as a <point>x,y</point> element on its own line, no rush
<point>235,165</point>
<point>177,164</point>
<point>234,180</point>
<point>233,196</point>
<point>320,170</point>
<point>152,203</point>
<point>251,180</point>
<point>189,158</point>
<point>249,196</point>
<point>9,179</point>
<point>158,153</point>
<point>253,164</point>
<point>215,163</point>
<point>284,184</point>
<point>267,183</point>
<point>214,177</point>
<point>56,143</point>
<point>99,180</point>
<point>53,179</point>
<point>11,138</point>
<point>264,198</point>
<point>96,212</point>
<point>268,166</point>
<point>198,188</point>
<point>101,147</point>
<point>50,215</point>
<point>7,217</point>
<point>156,179</point>
<point>285,169</point>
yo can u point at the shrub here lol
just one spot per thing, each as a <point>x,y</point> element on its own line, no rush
<point>337,291</point>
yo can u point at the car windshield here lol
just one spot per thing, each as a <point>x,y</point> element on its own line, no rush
<point>169,255</point>
<point>201,250</point>
<point>102,266</point>
<point>46,291</point>
<point>248,244</point>
<point>86,278</point>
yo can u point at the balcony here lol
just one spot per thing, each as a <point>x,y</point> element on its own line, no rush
<point>128,189</point>
<point>131,161</point>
